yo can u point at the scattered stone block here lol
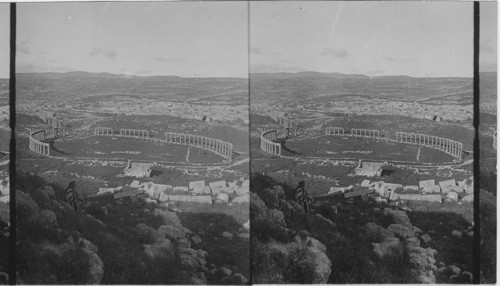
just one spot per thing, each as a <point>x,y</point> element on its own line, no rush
<point>246,183</point>
<point>135,184</point>
<point>469,190</point>
<point>432,198</point>
<point>468,198</point>
<point>241,190</point>
<point>393,196</point>
<point>197,185</point>
<point>204,199</point>
<point>410,188</point>
<point>361,192</point>
<point>202,191</point>
<point>452,196</point>
<point>223,197</point>
<point>242,199</point>
<point>128,192</point>
<point>365,183</point>
<point>232,185</point>
<point>5,199</point>
<point>334,190</point>
<point>447,184</point>
<point>426,184</point>
<point>108,190</point>
<point>180,189</point>
<point>410,197</point>
<point>391,187</point>
<point>217,184</point>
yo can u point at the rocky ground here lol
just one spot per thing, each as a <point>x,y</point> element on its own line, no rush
<point>401,242</point>
<point>125,241</point>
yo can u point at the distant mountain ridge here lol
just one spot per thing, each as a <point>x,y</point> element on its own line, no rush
<point>106,75</point>
<point>336,75</point>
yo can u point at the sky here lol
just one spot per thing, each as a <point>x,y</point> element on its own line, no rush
<point>488,36</point>
<point>421,39</point>
<point>188,39</point>
<point>4,40</point>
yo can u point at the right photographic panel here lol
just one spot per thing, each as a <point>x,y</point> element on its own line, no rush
<point>361,122</point>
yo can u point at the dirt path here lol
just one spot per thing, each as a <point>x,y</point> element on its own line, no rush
<point>418,154</point>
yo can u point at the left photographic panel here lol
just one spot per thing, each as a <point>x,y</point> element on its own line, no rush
<point>132,143</point>
<point>4,141</point>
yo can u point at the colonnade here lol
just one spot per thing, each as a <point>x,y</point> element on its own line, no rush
<point>267,144</point>
<point>219,147</point>
<point>36,145</point>
<point>334,131</point>
<point>134,133</point>
<point>449,146</point>
<point>373,133</point>
<point>102,131</point>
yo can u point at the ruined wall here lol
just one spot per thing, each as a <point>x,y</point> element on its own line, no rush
<point>36,145</point>
<point>219,147</point>
<point>267,144</point>
<point>449,146</point>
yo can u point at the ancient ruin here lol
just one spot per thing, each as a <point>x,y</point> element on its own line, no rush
<point>103,131</point>
<point>369,169</point>
<point>134,133</point>
<point>334,131</point>
<point>219,147</point>
<point>267,144</point>
<point>449,146</point>
<point>138,170</point>
<point>365,133</point>
<point>36,145</point>
<point>454,148</point>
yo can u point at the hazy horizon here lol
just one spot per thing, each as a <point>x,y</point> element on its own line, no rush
<point>418,39</point>
<point>190,39</point>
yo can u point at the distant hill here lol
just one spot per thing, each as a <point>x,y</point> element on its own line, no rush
<point>309,74</point>
<point>335,75</point>
<point>309,87</point>
<point>79,85</point>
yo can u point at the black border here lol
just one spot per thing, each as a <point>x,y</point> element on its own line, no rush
<point>12,149</point>
<point>476,248</point>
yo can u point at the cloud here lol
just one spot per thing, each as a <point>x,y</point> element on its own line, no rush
<point>394,60</point>
<point>169,60</point>
<point>334,52</point>
<point>22,48</point>
<point>107,53</point>
<point>255,50</point>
